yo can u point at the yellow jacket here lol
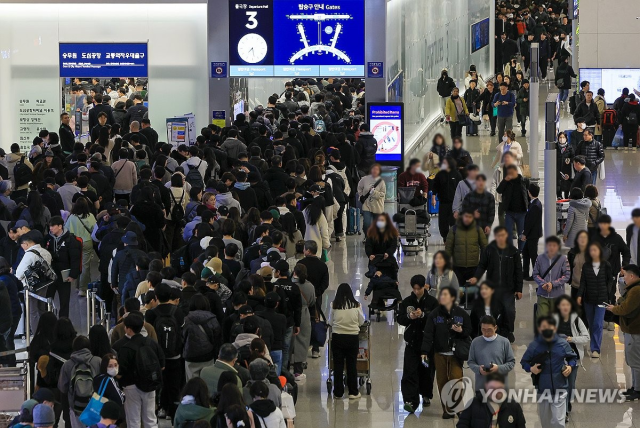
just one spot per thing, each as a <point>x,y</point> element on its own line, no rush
<point>451,111</point>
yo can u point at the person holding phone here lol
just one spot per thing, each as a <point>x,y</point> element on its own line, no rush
<point>564,161</point>
<point>490,353</point>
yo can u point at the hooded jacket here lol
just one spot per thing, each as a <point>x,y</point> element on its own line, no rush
<point>269,415</point>
<point>559,354</point>
<point>616,247</point>
<point>83,356</point>
<point>233,147</point>
<point>227,200</point>
<point>503,268</point>
<point>202,336</point>
<point>10,161</point>
<point>366,146</point>
<point>445,84</point>
<point>576,219</point>
<point>188,411</point>
<point>66,253</point>
<point>628,308</point>
<point>465,243</point>
<point>414,328</point>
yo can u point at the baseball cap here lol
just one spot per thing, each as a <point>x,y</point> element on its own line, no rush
<point>282,266</point>
<point>273,257</point>
<point>272,297</point>
<point>223,210</point>
<point>245,310</point>
<point>21,223</point>
<point>316,188</point>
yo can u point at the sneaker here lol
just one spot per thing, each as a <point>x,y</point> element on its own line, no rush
<point>300,377</point>
<point>595,354</point>
<point>337,397</point>
<point>82,293</point>
<point>446,415</point>
<point>426,402</point>
<point>628,391</point>
<point>634,396</point>
<point>566,418</point>
<point>410,408</point>
<point>338,239</point>
<point>315,354</point>
<point>611,326</point>
<point>354,397</point>
<point>162,414</point>
<point>528,278</point>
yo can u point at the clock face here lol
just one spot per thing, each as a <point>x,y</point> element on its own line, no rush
<point>252,48</point>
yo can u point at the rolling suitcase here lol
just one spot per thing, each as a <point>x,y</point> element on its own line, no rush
<point>353,221</point>
<point>430,208</point>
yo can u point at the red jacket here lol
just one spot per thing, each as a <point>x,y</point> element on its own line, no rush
<point>419,181</point>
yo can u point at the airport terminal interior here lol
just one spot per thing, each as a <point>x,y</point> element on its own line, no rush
<point>180,96</point>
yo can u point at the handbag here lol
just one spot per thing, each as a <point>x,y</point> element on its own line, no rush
<point>319,329</point>
<point>288,407</point>
<point>461,348</point>
<point>39,274</point>
<point>91,414</point>
<point>325,255</point>
<point>495,111</point>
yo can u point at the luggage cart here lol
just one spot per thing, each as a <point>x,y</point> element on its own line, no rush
<point>13,391</point>
<point>562,212</point>
<point>363,364</point>
<point>414,234</point>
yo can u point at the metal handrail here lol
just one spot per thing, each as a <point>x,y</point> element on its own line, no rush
<point>92,297</point>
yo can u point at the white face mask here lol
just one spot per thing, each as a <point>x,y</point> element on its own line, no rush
<point>381,224</point>
<point>445,165</point>
<point>112,371</point>
<point>418,170</point>
<point>562,140</point>
<point>490,339</point>
<point>504,138</point>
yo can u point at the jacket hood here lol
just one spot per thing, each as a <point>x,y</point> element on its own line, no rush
<point>194,412</point>
<point>581,204</point>
<point>244,339</point>
<point>336,166</point>
<point>13,157</point>
<point>263,408</point>
<point>365,134</point>
<point>194,161</point>
<point>223,197</point>
<point>82,356</point>
<point>200,317</point>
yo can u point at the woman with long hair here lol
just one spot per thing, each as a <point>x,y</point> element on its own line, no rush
<point>317,176</point>
<point>194,404</point>
<point>371,191</point>
<point>291,233</point>
<point>237,417</point>
<point>99,339</point>
<point>382,238</point>
<point>230,401</point>
<point>109,370</point>
<point>195,196</point>
<point>81,223</point>
<point>508,144</point>
<point>487,304</point>
<point>41,343</point>
<point>36,213</point>
<point>345,317</point>
<point>591,193</point>
<point>149,213</point>
<point>251,220</point>
<point>303,339</point>
<point>441,274</point>
<point>572,329</point>
<point>577,256</point>
<point>596,281</point>
<point>62,346</point>
<point>49,161</point>
<point>257,282</point>
<point>317,228</point>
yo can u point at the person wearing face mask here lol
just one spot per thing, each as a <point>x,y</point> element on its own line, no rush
<point>564,160</point>
<point>109,369</point>
<point>494,411</point>
<point>490,353</point>
<point>508,144</point>
<point>445,86</point>
<point>456,113</point>
<point>550,359</point>
<point>414,177</point>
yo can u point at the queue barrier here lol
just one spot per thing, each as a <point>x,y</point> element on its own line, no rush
<point>96,305</point>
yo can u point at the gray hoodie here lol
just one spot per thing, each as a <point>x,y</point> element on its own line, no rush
<point>576,219</point>
<point>68,369</point>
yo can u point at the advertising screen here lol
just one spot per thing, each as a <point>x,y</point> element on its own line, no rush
<point>479,35</point>
<point>284,38</point>
<point>103,60</point>
<point>612,80</point>
<point>386,125</point>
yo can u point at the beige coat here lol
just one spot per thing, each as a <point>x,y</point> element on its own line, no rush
<point>375,201</point>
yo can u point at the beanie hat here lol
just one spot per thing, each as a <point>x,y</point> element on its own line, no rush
<point>43,416</point>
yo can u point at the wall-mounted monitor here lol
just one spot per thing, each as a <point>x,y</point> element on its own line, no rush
<point>612,80</point>
<point>479,35</point>
<point>386,123</point>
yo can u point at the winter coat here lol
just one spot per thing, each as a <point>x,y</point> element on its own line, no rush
<point>233,147</point>
<point>438,335</point>
<point>465,243</point>
<point>202,336</point>
<point>83,356</point>
<point>498,312</point>
<point>414,328</point>
<point>628,308</point>
<point>576,219</point>
<point>445,184</point>
<point>484,203</point>
<point>523,105</point>
<point>451,109</point>
<point>445,86</point>
<point>596,289</point>
<point>480,415</point>
<point>318,232</point>
<point>616,248</point>
<point>375,202</point>
<point>127,176</point>
<point>374,247</point>
<point>588,114</point>
<point>503,268</point>
<point>579,333</point>
<point>66,253</point>
<point>512,189</point>
<point>559,354</point>
<point>558,276</point>
<point>188,412</point>
<point>227,200</point>
<point>564,161</point>
<point>366,147</point>
<point>276,179</point>
<point>593,152</point>
<point>123,263</point>
<point>196,162</point>
<point>268,413</point>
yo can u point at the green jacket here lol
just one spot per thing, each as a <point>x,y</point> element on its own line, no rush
<point>211,375</point>
<point>465,243</point>
<point>192,412</point>
<point>523,105</point>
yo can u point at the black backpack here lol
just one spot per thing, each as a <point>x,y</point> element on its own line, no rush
<point>194,177</point>
<point>177,211</point>
<point>179,260</point>
<point>370,149</point>
<point>22,174</point>
<point>147,371</point>
<point>168,334</point>
<point>632,119</point>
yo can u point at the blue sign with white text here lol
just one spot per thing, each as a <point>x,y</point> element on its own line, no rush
<point>218,69</point>
<point>103,60</point>
<point>375,70</point>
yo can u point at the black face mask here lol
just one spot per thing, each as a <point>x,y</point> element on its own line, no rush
<point>547,333</point>
<point>455,97</point>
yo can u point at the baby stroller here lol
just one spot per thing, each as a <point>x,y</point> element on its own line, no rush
<point>412,221</point>
<point>383,283</point>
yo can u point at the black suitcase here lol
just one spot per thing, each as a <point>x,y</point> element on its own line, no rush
<point>607,136</point>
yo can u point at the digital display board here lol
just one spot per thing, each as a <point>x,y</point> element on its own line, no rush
<point>288,38</point>
<point>386,123</point>
<point>612,80</point>
<point>479,35</point>
<point>103,60</point>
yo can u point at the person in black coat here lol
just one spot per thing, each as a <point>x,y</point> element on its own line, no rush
<point>417,379</point>
<point>496,309</point>
<point>630,118</point>
<point>480,413</point>
<point>444,187</point>
<point>66,255</point>
<point>67,135</point>
<point>246,195</point>
<point>276,177</point>
<point>532,230</point>
<point>564,161</point>
<point>262,191</point>
<point>583,174</point>
<point>99,108</point>
<point>513,189</point>
<point>278,323</point>
<point>109,370</point>
<point>633,242</point>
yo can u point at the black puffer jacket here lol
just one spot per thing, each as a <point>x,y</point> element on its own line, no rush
<point>414,329</point>
<point>202,336</point>
<point>374,247</point>
<point>594,288</point>
<point>503,267</point>
<point>614,247</point>
<point>438,335</point>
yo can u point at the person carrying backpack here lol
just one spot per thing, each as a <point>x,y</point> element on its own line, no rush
<point>168,319</point>
<point>141,363</point>
<point>76,378</point>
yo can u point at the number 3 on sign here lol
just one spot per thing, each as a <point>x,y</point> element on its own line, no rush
<point>253,22</point>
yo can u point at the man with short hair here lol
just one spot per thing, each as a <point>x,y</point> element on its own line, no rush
<point>291,305</point>
<point>226,361</point>
<point>551,360</point>
<point>140,405</point>
<point>490,353</point>
<point>633,237</point>
<point>318,270</point>
<point>417,379</point>
<point>67,135</point>
<point>33,253</point>
<point>551,272</point>
<point>583,174</point>
<point>587,112</point>
<point>627,310</point>
<point>496,410</point>
<point>276,177</point>
<point>482,203</point>
<point>505,102</point>
<point>465,242</point>
<point>150,134</point>
<point>593,152</point>
<point>513,190</point>
<point>135,113</point>
<point>532,230</point>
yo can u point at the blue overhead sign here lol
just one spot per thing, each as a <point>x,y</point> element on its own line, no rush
<point>103,60</point>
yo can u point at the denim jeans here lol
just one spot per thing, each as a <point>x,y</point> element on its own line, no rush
<point>286,348</point>
<point>595,316</point>
<point>594,175</point>
<point>367,219</point>
<point>517,218</point>
<point>572,386</point>
<point>564,94</point>
<point>276,357</point>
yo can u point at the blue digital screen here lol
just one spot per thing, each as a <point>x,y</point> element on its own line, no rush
<point>479,35</point>
<point>295,38</point>
<point>103,60</point>
<point>386,124</point>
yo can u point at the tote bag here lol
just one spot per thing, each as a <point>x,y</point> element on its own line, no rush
<point>91,414</point>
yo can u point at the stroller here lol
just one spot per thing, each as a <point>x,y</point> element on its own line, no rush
<point>383,284</point>
<point>412,221</point>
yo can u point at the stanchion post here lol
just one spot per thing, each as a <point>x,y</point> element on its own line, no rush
<point>89,310</point>
<point>27,320</point>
